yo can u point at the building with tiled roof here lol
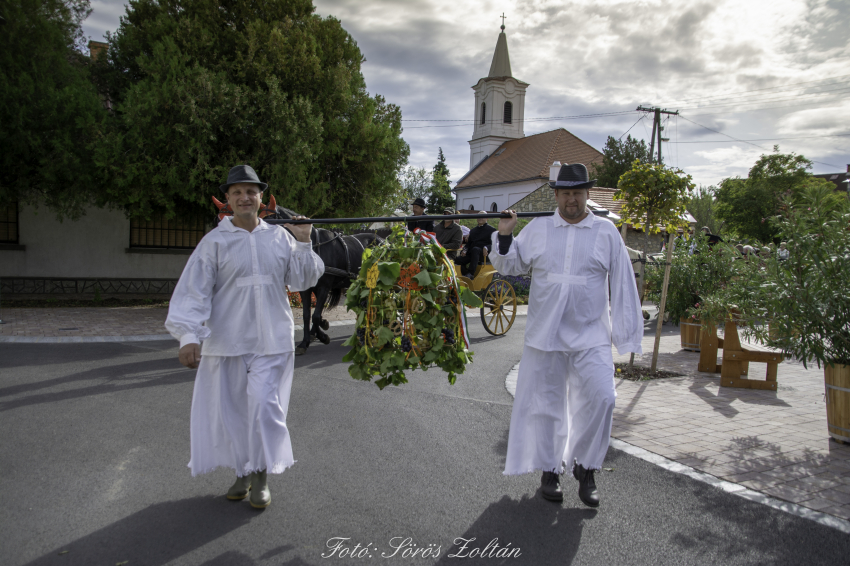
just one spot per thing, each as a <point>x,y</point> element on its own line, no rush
<point>505,165</point>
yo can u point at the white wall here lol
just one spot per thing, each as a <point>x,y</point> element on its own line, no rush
<point>503,195</point>
<point>93,246</point>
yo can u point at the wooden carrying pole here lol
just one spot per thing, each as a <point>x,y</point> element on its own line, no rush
<point>369,220</point>
<point>670,243</point>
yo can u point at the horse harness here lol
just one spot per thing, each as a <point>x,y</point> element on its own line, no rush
<point>333,270</point>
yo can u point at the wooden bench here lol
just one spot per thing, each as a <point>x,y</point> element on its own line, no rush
<point>735,365</point>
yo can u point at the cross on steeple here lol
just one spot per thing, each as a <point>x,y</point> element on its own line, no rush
<point>503,21</point>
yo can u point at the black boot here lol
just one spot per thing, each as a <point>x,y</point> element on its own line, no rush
<point>587,491</point>
<point>550,487</point>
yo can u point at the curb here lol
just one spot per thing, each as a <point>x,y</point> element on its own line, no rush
<point>727,486</point>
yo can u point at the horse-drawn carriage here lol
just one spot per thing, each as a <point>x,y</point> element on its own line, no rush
<point>500,305</point>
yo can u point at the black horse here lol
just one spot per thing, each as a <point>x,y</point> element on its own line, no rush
<point>342,256</point>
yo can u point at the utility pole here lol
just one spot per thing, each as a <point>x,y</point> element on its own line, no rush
<point>656,128</point>
<point>656,134</point>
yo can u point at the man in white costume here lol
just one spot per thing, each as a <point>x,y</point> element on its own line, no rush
<point>565,393</point>
<point>232,298</point>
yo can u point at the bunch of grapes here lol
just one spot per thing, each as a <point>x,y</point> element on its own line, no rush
<point>406,346</point>
<point>361,335</point>
<point>449,334</point>
<point>364,303</point>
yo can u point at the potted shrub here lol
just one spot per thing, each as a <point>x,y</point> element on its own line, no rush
<point>806,297</point>
<point>692,276</point>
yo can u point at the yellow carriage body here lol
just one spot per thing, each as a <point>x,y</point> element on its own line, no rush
<point>499,309</point>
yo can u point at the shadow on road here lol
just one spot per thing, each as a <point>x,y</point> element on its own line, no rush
<point>114,378</point>
<point>529,531</point>
<point>159,534</point>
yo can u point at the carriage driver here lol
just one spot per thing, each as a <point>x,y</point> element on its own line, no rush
<point>565,393</point>
<point>232,298</point>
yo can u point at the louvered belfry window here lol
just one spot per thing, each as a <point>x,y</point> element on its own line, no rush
<point>483,112</point>
<point>509,110</point>
<point>9,223</point>
<point>160,232</point>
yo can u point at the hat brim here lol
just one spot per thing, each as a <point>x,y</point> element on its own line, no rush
<point>587,185</point>
<point>223,188</point>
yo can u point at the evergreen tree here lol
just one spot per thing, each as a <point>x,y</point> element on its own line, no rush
<point>199,86</point>
<point>617,158</point>
<point>441,196</point>
<point>49,109</point>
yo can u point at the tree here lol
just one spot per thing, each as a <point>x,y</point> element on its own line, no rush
<point>617,158</point>
<point>440,196</point>
<point>747,204</point>
<point>654,196</point>
<point>49,109</point>
<point>701,204</point>
<point>201,85</point>
<point>416,183</point>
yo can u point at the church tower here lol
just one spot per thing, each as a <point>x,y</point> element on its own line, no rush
<point>499,106</point>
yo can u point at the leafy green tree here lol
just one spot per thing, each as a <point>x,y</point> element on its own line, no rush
<point>653,197</point>
<point>199,86</point>
<point>49,109</point>
<point>746,205</point>
<point>702,204</point>
<point>617,158</point>
<point>440,196</point>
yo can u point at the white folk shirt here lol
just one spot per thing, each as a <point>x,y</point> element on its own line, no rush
<point>571,266</point>
<point>232,293</point>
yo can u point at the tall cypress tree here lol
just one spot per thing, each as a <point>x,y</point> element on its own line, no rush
<point>441,195</point>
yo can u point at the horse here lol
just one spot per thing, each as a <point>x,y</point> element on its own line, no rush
<point>342,256</point>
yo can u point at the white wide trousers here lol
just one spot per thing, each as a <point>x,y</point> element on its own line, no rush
<point>563,410</point>
<point>239,411</point>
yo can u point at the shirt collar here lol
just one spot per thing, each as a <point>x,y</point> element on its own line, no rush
<point>586,223</point>
<point>226,224</point>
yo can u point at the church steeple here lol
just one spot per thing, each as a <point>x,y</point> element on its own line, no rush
<point>499,105</point>
<point>501,65</point>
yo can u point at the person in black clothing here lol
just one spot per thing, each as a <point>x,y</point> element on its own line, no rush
<point>479,244</point>
<point>419,210</point>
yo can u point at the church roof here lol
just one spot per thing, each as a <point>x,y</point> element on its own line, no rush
<point>501,65</point>
<point>529,158</point>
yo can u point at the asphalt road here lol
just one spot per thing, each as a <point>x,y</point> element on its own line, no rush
<point>96,440</point>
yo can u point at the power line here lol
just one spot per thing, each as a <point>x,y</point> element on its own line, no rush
<point>497,121</point>
<point>758,109</point>
<point>808,96</point>
<point>632,126</point>
<point>528,119</point>
<point>764,139</point>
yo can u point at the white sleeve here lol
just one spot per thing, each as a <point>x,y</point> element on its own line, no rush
<point>305,266</point>
<point>517,260</point>
<point>626,316</point>
<point>191,302</point>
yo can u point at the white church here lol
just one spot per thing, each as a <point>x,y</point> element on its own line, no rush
<point>505,165</point>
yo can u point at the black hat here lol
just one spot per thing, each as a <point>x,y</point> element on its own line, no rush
<point>242,174</point>
<point>419,202</point>
<point>572,177</point>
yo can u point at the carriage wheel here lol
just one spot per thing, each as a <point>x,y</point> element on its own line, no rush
<point>499,310</point>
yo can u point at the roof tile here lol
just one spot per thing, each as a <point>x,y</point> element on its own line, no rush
<point>530,158</point>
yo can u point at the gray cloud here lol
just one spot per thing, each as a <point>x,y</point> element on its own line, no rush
<point>591,57</point>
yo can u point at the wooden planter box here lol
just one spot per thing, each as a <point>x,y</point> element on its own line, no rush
<point>690,331</point>
<point>837,380</point>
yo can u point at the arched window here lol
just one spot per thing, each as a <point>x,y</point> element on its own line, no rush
<point>471,207</point>
<point>483,112</point>
<point>509,110</point>
<point>494,208</point>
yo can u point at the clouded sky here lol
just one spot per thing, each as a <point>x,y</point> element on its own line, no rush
<point>767,72</point>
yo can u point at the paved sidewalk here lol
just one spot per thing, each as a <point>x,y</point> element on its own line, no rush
<point>775,443</point>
